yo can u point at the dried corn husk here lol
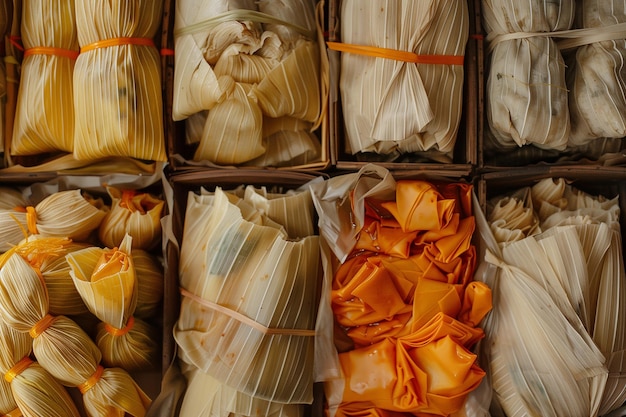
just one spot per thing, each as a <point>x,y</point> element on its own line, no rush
<point>526,92</point>
<point>117,87</point>
<point>135,213</point>
<point>597,101</point>
<point>392,106</point>
<point>7,402</point>
<point>35,391</point>
<point>62,347</point>
<point>106,280</point>
<point>235,62</point>
<point>150,282</point>
<point>44,120</point>
<point>249,277</point>
<point>12,215</point>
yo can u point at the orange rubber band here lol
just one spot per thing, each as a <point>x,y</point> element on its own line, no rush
<point>167,52</point>
<point>31,219</point>
<point>17,42</point>
<point>41,326</point>
<point>115,332</point>
<point>14,413</point>
<point>404,56</point>
<point>45,50</point>
<point>117,42</point>
<point>92,381</point>
<point>17,369</point>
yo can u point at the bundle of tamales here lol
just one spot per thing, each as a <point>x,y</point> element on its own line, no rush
<point>401,77</point>
<point>250,276</point>
<point>553,341</point>
<point>406,309</point>
<point>247,79</point>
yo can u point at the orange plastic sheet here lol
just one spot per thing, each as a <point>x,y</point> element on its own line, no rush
<point>406,299</point>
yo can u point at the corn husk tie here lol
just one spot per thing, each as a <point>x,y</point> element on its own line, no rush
<point>44,120</point>
<point>12,215</point>
<point>394,105</point>
<point>35,391</point>
<point>249,72</point>
<point>527,97</point>
<point>62,347</point>
<point>250,297</point>
<point>106,280</point>
<point>135,213</point>
<point>117,81</point>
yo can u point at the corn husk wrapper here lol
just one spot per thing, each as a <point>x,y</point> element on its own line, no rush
<point>63,348</point>
<point>394,106</point>
<point>150,280</point>
<point>36,392</point>
<point>526,92</point>
<point>7,402</point>
<point>12,215</point>
<point>106,280</point>
<point>44,120</point>
<point>251,269</point>
<point>135,213</point>
<point>597,102</point>
<point>117,89</point>
<point>236,70</point>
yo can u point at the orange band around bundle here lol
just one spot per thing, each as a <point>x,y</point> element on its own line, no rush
<point>41,326</point>
<point>45,50</point>
<point>17,369</point>
<point>117,42</point>
<point>115,332</point>
<point>31,220</point>
<point>396,55</point>
<point>92,381</point>
<point>14,413</point>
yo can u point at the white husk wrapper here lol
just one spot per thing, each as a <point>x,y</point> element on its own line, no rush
<point>11,231</point>
<point>44,116</point>
<point>64,349</point>
<point>117,89</point>
<point>390,105</point>
<point>138,216</point>
<point>255,270</point>
<point>526,90</point>
<point>238,73</point>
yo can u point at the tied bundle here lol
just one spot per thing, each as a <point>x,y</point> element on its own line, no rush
<point>404,303</point>
<point>553,344</point>
<point>402,74</point>
<point>250,300</point>
<point>150,282</point>
<point>107,282</point>
<point>247,80</point>
<point>62,347</point>
<point>117,81</point>
<point>44,116</point>
<point>135,213</point>
<point>31,387</point>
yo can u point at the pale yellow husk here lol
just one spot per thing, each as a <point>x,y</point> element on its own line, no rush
<point>12,217</point>
<point>394,106</point>
<point>150,282</point>
<point>135,213</point>
<point>44,116</point>
<point>117,89</point>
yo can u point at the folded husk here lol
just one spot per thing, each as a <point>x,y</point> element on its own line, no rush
<point>150,282</point>
<point>12,217</point>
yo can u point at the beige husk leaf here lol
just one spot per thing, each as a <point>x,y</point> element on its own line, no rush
<point>35,391</point>
<point>44,116</point>
<point>12,216</point>
<point>248,267</point>
<point>117,89</point>
<point>7,402</point>
<point>62,347</point>
<point>135,213</point>
<point>393,106</point>
<point>150,280</point>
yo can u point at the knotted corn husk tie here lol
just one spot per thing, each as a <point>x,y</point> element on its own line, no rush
<point>117,81</point>
<point>430,95</point>
<point>61,346</point>
<point>106,280</point>
<point>34,389</point>
<point>12,218</point>
<point>234,63</point>
<point>135,213</point>
<point>44,119</point>
<point>261,289</point>
<point>575,269</point>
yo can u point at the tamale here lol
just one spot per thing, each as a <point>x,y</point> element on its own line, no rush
<point>44,116</point>
<point>135,213</point>
<point>12,217</point>
<point>393,99</point>
<point>117,82</point>
<point>62,347</point>
<point>150,281</point>
<point>35,391</point>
